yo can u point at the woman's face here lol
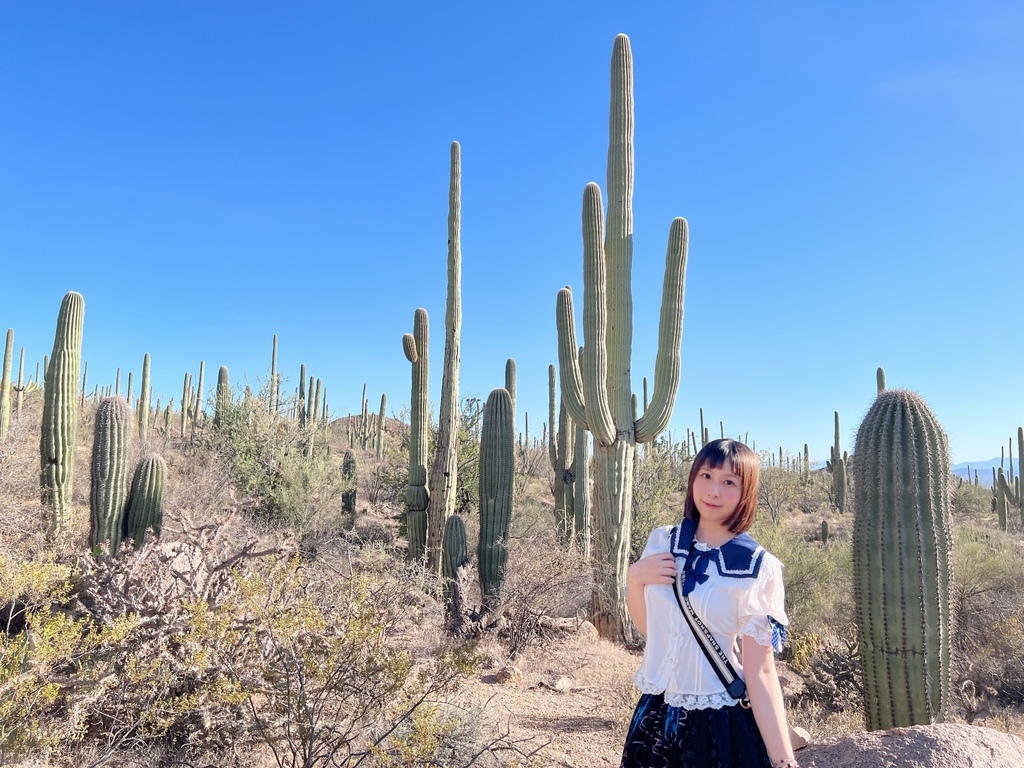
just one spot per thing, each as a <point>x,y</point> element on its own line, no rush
<point>717,492</point>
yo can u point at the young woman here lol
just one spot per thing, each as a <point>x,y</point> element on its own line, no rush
<point>685,717</point>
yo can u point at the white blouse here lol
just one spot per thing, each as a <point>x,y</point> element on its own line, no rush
<point>747,600</point>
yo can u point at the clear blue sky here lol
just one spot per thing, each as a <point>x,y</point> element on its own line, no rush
<point>210,174</point>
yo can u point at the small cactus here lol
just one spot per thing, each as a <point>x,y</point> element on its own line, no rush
<point>146,501</point>
<point>350,475</point>
<point>109,488</point>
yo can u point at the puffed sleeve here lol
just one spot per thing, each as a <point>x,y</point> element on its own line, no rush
<point>764,616</point>
<point>658,541</point>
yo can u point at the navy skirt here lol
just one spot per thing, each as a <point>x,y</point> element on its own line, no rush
<point>663,736</point>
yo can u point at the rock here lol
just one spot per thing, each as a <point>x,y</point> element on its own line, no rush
<point>561,684</point>
<point>587,630</point>
<point>799,738</point>
<point>946,745</point>
<point>509,674</point>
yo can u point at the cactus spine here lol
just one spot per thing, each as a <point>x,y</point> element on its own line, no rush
<point>497,464</point>
<point>146,501</point>
<point>901,561</point>
<point>108,496</point>
<point>60,412</point>
<point>598,392</point>
<point>444,474</point>
<point>5,386</point>
<point>416,347</point>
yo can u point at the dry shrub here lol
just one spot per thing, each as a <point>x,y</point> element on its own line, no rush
<point>540,581</point>
<point>989,582</point>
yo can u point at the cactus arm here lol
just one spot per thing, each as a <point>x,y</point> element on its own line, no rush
<point>670,335</point>
<point>552,455</point>
<point>595,321</point>
<point>570,375</point>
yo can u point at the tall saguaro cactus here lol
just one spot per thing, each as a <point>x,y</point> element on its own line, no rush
<point>497,465</point>
<point>109,489</point>
<point>416,348</point>
<point>901,561</point>
<point>5,386</point>
<point>838,467</point>
<point>597,389</point>
<point>60,412</point>
<point>444,474</point>
<point>144,394</point>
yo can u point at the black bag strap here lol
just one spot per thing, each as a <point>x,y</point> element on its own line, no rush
<point>716,657</point>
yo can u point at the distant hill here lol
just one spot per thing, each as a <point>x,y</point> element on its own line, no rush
<point>984,469</point>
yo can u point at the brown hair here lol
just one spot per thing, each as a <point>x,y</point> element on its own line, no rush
<point>744,464</point>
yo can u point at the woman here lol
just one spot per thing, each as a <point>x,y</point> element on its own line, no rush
<point>686,717</point>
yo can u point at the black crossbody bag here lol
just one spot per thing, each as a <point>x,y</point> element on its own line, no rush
<point>716,657</point>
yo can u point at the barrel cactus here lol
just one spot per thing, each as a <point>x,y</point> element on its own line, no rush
<point>901,561</point>
<point>60,412</point>
<point>146,502</point>
<point>108,496</point>
<point>497,464</point>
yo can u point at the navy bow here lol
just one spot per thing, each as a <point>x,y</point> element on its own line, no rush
<point>695,569</point>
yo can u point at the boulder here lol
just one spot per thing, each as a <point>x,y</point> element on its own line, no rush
<point>946,745</point>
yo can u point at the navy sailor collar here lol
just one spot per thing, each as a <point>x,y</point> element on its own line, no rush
<point>740,557</point>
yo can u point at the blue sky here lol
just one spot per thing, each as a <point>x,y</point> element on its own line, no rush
<point>210,174</point>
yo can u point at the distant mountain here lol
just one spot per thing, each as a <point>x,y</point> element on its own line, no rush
<point>984,469</point>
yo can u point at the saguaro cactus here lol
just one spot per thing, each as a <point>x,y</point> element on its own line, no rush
<point>901,561</point>
<point>222,398</point>
<point>597,389</point>
<point>416,347</point>
<point>109,488</point>
<point>142,414</point>
<point>444,474</point>
<point>146,501</point>
<point>381,423</point>
<point>497,466</point>
<point>5,386</point>
<point>60,412</point>
<point>350,475</point>
<point>837,466</point>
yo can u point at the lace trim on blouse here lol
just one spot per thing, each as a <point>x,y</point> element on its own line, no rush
<point>685,700</point>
